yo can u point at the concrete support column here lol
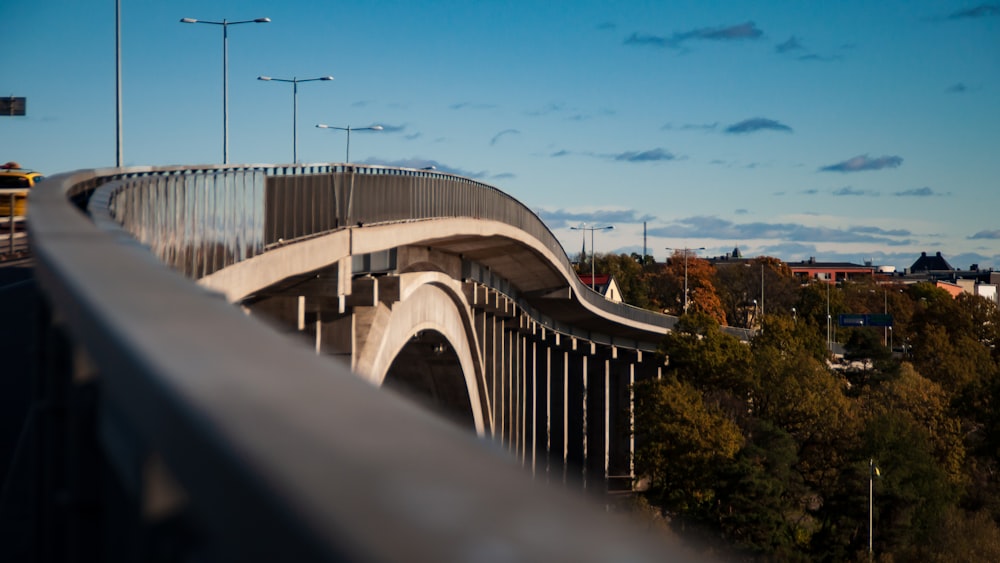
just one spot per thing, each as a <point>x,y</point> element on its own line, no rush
<point>500,377</point>
<point>489,347</point>
<point>596,420</point>
<point>337,336</point>
<point>556,442</point>
<point>620,417</point>
<point>527,399</point>
<point>575,420</point>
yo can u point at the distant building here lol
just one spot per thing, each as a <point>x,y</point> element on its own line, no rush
<point>935,269</point>
<point>808,270</point>
<point>729,258</point>
<point>605,284</point>
<point>929,264</point>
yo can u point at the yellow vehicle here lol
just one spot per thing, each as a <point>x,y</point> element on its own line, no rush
<point>14,185</point>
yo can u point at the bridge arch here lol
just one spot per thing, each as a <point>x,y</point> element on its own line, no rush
<point>429,303</point>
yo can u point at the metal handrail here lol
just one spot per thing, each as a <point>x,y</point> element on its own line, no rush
<point>282,455</point>
<point>186,233</point>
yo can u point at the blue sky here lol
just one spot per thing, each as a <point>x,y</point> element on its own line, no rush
<point>842,130</point>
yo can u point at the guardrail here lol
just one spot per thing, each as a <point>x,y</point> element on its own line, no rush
<point>176,425</point>
<point>200,223</point>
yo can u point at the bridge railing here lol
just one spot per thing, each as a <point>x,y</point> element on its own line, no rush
<point>202,220</point>
<point>169,421</point>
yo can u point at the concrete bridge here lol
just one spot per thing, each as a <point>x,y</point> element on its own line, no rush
<point>438,286</point>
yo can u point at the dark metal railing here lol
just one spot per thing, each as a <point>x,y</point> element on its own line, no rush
<point>209,422</point>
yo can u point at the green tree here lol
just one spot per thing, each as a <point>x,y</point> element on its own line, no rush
<point>760,507</point>
<point>914,491</point>
<point>682,443</point>
<point>962,537</point>
<point>815,299</point>
<point>629,275</point>
<point>699,353</point>
<point>765,280</point>
<point>926,405</point>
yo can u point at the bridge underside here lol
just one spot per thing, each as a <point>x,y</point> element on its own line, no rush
<point>428,371</point>
<point>561,404</point>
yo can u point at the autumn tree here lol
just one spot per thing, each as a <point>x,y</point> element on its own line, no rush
<point>668,287</point>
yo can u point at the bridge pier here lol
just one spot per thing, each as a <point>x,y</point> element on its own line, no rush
<point>560,404</point>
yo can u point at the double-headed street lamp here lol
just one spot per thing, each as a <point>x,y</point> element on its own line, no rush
<point>225,74</point>
<point>593,285</point>
<point>295,107</point>
<point>347,157</point>
<point>685,250</point>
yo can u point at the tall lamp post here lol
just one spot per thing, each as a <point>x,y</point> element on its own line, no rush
<point>685,250</point>
<point>347,157</point>
<point>118,83</point>
<point>225,74</point>
<point>873,473</point>
<point>593,285</point>
<point>295,107</point>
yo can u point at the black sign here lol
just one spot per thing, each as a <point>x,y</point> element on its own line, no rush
<point>13,106</point>
<point>866,320</point>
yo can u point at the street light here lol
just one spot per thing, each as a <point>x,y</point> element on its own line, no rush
<point>295,107</point>
<point>118,83</point>
<point>225,74</point>
<point>873,472</point>
<point>593,285</point>
<point>347,157</point>
<point>686,250</point>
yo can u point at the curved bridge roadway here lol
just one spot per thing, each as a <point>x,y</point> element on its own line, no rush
<point>438,286</point>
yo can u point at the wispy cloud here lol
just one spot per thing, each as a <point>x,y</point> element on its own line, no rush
<point>496,137</point>
<point>714,228</point>
<point>991,235</point>
<point>642,39</point>
<point>551,107</point>
<point>562,218</point>
<point>962,88</point>
<point>919,192</point>
<point>792,44</point>
<point>881,231</point>
<point>606,26</point>
<point>981,11</point>
<point>813,57</point>
<point>651,155</point>
<point>747,30</point>
<point>471,105</point>
<point>811,191</point>
<point>422,164</point>
<point>863,163</point>
<point>757,124</point>
<point>743,31</point>
<point>690,126</point>
<point>850,191</point>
